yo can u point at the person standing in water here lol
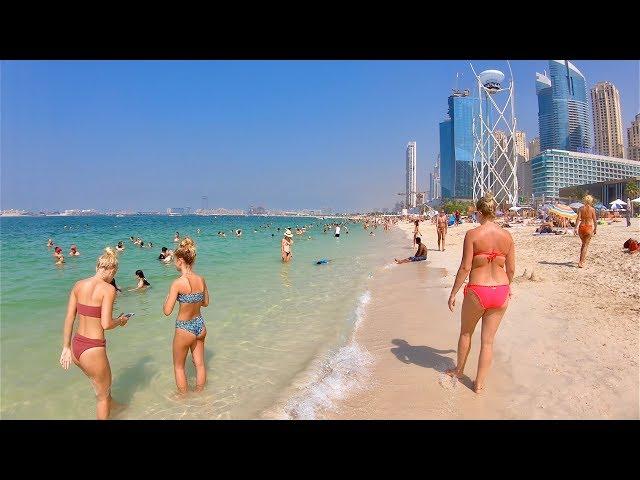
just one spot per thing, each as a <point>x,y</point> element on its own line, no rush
<point>92,300</point>
<point>57,254</point>
<point>176,238</point>
<point>586,225</point>
<point>285,246</point>
<point>442,223</point>
<point>190,290</point>
<point>488,258</point>
<point>143,283</point>
<point>416,231</point>
<point>337,234</point>
<point>74,251</point>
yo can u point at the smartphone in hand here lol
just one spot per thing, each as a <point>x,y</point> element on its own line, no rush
<point>128,315</point>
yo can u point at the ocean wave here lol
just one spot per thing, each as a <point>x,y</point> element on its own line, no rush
<point>333,377</point>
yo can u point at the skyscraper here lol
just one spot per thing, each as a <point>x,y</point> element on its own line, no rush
<point>434,181</point>
<point>534,147</point>
<point>411,185</point>
<point>633,138</point>
<point>563,108</point>
<point>607,120</point>
<point>521,145</point>
<point>457,146</point>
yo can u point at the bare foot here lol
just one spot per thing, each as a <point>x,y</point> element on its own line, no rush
<point>199,388</point>
<point>453,372</point>
<point>580,265</point>
<point>478,388</point>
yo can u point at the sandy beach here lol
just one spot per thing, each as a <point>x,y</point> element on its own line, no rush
<point>567,347</point>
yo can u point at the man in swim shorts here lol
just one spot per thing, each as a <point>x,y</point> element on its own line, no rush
<point>421,253</point>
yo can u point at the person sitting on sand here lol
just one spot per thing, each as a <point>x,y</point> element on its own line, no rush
<point>73,251</point>
<point>487,251</point>
<point>120,246</point>
<point>586,225</point>
<point>421,253</point>
<point>442,224</point>
<point>142,281</point>
<point>57,254</point>
<point>285,246</point>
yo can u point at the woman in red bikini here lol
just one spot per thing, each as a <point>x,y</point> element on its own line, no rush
<point>488,250</point>
<point>92,300</point>
<point>586,225</point>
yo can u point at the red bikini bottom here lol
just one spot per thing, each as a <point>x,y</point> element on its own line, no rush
<point>489,296</point>
<point>79,344</point>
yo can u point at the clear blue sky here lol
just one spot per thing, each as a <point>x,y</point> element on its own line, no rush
<point>146,135</point>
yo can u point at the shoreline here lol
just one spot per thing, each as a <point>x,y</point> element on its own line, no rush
<point>553,358</point>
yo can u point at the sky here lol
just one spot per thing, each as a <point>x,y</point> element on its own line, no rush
<point>147,135</point>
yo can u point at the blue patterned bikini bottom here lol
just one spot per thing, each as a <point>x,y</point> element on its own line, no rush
<point>195,325</point>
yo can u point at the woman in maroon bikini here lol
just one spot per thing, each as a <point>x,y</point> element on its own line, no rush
<point>92,300</point>
<point>487,251</point>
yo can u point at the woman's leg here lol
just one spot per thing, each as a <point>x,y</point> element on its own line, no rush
<point>471,313</point>
<point>490,323</point>
<point>95,365</point>
<point>583,249</point>
<point>197,355</point>
<point>182,341</point>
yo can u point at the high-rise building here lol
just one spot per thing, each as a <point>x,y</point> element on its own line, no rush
<point>555,169</point>
<point>434,181</point>
<point>411,185</point>
<point>534,147</point>
<point>563,108</point>
<point>521,145</point>
<point>457,146</point>
<point>633,139</point>
<point>607,120</point>
<point>525,180</point>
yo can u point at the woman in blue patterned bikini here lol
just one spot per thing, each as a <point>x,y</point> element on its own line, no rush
<point>190,290</point>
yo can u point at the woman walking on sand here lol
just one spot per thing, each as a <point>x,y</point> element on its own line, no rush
<point>190,290</point>
<point>586,225</point>
<point>92,300</point>
<point>487,251</point>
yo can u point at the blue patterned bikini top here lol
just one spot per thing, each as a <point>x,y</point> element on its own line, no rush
<point>191,297</point>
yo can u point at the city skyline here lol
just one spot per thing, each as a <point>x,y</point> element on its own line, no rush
<point>303,133</point>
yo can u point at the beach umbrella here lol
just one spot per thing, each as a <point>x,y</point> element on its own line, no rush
<point>617,203</point>
<point>576,205</point>
<point>563,210</point>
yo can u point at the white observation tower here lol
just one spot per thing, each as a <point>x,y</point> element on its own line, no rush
<point>494,127</point>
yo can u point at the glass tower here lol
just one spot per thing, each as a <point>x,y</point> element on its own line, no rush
<point>563,108</point>
<point>457,146</point>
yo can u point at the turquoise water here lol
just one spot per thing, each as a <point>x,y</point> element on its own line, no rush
<point>272,328</point>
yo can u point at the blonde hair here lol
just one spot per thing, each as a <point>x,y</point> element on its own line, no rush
<point>108,260</point>
<point>186,251</point>
<point>588,199</point>
<point>487,205</point>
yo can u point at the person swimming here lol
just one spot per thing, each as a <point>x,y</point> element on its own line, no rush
<point>163,253</point>
<point>177,237</point>
<point>488,259</point>
<point>50,243</point>
<point>57,254</point>
<point>142,281</point>
<point>191,292</point>
<point>120,246</point>
<point>238,232</point>
<point>74,251</point>
<point>87,349</point>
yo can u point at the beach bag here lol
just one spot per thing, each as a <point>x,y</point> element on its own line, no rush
<point>631,244</point>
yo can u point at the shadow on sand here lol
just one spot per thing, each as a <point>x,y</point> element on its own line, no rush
<point>427,357</point>
<point>560,264</point>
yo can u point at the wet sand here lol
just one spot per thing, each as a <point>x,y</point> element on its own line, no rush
<point>567,347</point>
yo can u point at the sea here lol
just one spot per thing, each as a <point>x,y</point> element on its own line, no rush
<point>279,342</point>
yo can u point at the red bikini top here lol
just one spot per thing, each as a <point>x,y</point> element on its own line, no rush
<point>491,255</point>
<point>89,310</point>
